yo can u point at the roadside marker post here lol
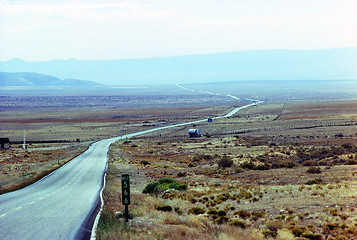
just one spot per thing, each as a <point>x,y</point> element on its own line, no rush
<point>125,194</point>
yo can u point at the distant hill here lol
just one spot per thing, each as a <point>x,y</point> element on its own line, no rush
<point>36,79</point>
<point>325,64</point>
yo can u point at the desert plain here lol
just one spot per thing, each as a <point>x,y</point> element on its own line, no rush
<point>283,169</point>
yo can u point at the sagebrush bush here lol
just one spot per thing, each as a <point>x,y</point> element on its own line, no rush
<point>242,214</point>
<point>245,194</point>
<point>181,174</point>
<point>314,169</point>
<point>312,236</point>
<point>164,184</point>
<point>237,223</point>
<point>269,234</point>
<point>225,162</point>
<point>145,162</point>
<point>248,165</point>
<point>275,225</point>
<point>298,230</point>
<point>314,181</point>
<point>164,208</point>
<point>196,211</point>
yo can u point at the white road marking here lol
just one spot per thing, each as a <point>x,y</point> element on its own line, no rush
<point>18,208</point>
<point>3,215</point>
<point>32,202</point>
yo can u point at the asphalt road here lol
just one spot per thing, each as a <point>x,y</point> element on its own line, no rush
<point>59,205</point>
<point>63,205</point>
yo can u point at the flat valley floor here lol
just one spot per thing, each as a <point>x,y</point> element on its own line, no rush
<point>276,170</point>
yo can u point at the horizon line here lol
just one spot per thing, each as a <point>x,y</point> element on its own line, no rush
<point>172,56</point>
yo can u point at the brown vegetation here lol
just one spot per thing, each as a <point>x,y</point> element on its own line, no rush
<point>20,167</point>
<point>275,170</point>
<point>239,187</point>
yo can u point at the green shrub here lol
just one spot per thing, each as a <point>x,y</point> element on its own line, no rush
<point>237,223</point>
<point>265,166</point>
<point>269,234</point>
<point>257,214</point>
<point>245,194</point>
<point>248,165</point>
<point>222,220</point>
<point>242,214</point>
<point>331,226</point>
<point>197,158</point>
<point>315,181</point>
<point>347,146</point>
<point>170,195</point>
<point>223,197</point>
<point>178,211</point>
<point>144,162</point>
<point>164,184</point>
<point>312,236</point>
<point>178,186</point>
<point>309,163</point>
<point>225,162</point>
<point>196,211</point>
<point>341,237</point>
<point>222,213</point>
<point>182,174</point>
<point>351,162</point>
<point>313,169</point>
<point>212,212</point>
<point>334,212</point>
<point>275,225</point>
<point>298,230</point>
<point>150,188</point>
<point>164,208</point>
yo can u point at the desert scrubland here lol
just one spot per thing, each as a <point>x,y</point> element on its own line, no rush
<point>276,170</point>
<point>284,169</point>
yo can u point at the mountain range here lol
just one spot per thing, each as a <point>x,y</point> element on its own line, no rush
<point>36,79</point>
<point>324,64</point>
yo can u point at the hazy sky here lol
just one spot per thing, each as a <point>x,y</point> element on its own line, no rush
<point>113,29</point>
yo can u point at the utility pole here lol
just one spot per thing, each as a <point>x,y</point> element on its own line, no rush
<point>24,145</point>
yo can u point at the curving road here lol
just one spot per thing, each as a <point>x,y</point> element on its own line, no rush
<point>59,205</point>
<point>63,205</point>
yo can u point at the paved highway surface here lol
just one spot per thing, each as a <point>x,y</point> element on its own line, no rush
<point>64,204</point>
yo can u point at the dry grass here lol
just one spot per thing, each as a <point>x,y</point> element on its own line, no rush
<point>20,168</point>
<point>238,203</point>
<point>250,201</point>
<point>154,224</point>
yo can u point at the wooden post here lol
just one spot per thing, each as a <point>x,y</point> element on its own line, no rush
<point>126,213</point>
